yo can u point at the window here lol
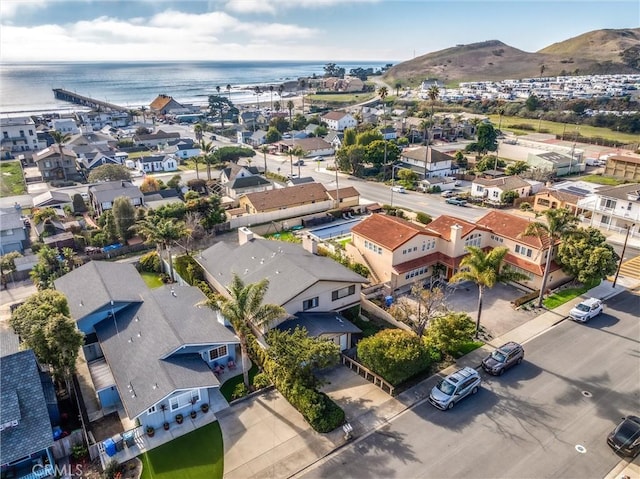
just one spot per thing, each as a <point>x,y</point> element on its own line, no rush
<point>218,352</point>
<point>184,399</point>
<point>473,240</point>
<point>151,410</point>
<point>343,292</point>
<point>607,203</point>
<point>310,303</point>
<point>521,250</point>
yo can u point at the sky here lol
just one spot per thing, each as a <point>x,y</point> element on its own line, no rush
<point>327,30</point>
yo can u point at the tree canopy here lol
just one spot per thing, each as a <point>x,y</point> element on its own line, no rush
<point>587,256</point>
<point>124,215</point>
<point>110,173</point>
<point>419,308</point>
<point>447,333</point>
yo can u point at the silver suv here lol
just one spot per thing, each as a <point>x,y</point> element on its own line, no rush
<point>503,358</point>
<point>455,387</point>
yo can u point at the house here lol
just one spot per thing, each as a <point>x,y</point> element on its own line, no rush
<point>164,104</point>
<point>151,351</point>
<point>156,163</point>
<point>339,120</point>
<point>388,133</point>
<point>300,181</point>
<point>56,163</point>
<point>556,199</point>
<point>616,208</point>
<point>560,163</point>
<point>184,149</point>
<point>400,253</point>
<point>311,146</point>
<point>26,423</point>
<point>238,180</point>
<point>283,198</point>
<point>300,281</point>
<point>65,126</point>
<point>443,182</point>
<point>152,140</point>
<point>102,195</point>
<point>346,197</point>
<point>624,166</point>
<point>14,235</point>
<point>346,84</point>
<point>491,190</point>
<point>335,139</point>
<point>428,162</point>
<point>18,134</point>
<point>157,199</point>
<point>53,199</point>
<point>253,119</point>
<point>92,156</point>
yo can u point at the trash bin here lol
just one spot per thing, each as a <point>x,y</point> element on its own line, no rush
<point>388,300</point>
<point>128,438</point>
<point>110,447</point>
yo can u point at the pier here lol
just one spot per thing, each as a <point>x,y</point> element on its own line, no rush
<point>72,97</point>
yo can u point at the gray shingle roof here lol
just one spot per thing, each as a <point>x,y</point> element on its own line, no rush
<point>289,268</point>
<point>110,190</point>
<point>317,324</point>
<point>22,399</point>
<point>248,181</point>
<point>10,219</point>
<point>96,283</point>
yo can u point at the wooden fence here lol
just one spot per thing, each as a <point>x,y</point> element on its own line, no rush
<point>367,374</point>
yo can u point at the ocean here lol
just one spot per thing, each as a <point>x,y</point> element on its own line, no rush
<point>26,88</point>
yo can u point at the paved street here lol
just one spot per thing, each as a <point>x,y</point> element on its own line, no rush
<point>576,382</point>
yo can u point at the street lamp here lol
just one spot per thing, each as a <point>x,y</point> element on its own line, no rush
<point>624,247</point>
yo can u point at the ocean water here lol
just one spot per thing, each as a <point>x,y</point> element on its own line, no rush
<point>27,87</point>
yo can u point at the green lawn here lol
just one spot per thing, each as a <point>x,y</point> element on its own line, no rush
<point>467,348</point>
<point>197,455</point>
<point>152,279</point>
<point>602,180</point>
<point>11,181</point>
<point>286,236</point>
<point>560,297</point>
<point>510,123</point>
<point>227,388</point>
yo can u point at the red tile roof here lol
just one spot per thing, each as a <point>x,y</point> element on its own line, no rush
<point>512,227</point>
<point>441,226</point>
<point>389,232</point>
<point>334,115</point>
<point>522,263</point>
<point>428,260</point>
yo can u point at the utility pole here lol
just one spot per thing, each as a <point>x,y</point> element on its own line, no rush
<point>624,247</point>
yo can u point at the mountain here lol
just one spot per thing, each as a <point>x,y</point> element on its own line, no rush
<point>600,51</point>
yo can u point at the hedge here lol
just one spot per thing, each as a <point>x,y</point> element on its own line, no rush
<point>526,298</point>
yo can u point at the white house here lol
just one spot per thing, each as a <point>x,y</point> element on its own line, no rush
<point>339,120</point>
<point>616,208</point>
<point>184,149</point>
<point>18,134</point>
<point>491,189</point>
<point>427,161</point>
<point>150,164</point>
<point>65,126</point>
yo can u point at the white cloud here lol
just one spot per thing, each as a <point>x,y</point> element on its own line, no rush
<point>10,8</point>
<point>273,6</point>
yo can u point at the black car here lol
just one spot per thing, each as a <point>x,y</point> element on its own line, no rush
<point>503,358</point>
<point>625,438</point>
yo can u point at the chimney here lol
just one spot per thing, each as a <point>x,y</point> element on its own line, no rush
<point>456,239</point>
<point>244,235</point>
<point>310,244</point>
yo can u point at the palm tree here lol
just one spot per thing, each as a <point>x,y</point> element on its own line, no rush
<point>290,107</point>
<point>197,130</point>
<point>280,90</point>
<point>299,153</point>
<point>560,224</point>
<point>264,149</point>
<point>206,148</point>
<point>271,88</point>
<point>303,84</point>
<point>229,91</point>
<point>277,106</point>
<point>218,90</point>
<point>61,139</point>
<point>257,91</point>
<point>383,92</point>
<point>245,311</point>
<point>163,232</point>
<point>398,85</point>
<point>433,93</point>
<point>142,110</point>
<point>485,269</point>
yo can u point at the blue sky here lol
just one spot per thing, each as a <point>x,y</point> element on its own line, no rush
<point>328,30</point>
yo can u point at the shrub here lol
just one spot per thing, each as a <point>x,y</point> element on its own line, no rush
<point>449,333</point>
<point>423,218</point>
<point>239,391</point>
<point>261,380</point>
<point>112,470</point>
<point>394,354</point>
<point>150,262</point>
<point>189,269</point>
<point>79,451</point>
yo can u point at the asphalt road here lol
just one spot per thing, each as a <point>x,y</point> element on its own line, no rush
<point>575,384</point>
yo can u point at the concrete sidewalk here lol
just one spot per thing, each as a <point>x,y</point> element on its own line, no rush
<point>265,437</point>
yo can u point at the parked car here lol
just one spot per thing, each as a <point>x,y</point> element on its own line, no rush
<point>587,309</point>
<point>455,387</point>
<point>457,183</point>
<point>447,194</point>
<point>503,358</point>
<point>298,163</point>
<point>317,158</point>
<point>398,189</point>
<point>625,438</point>
<point>456,201</point>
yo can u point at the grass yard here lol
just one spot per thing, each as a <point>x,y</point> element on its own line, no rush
<point>341,97</point>
<point>602,180</point>
<point>151,279</point>
<point>564,295</point>
<point>227,388</point>
<point>197,455</point>
<point>510,123</point>
<point>286,236</point>
<point>11,180</point>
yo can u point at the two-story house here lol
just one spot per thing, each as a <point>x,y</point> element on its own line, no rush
<point>152,352</point>
<point>625,166</point>
<point>18,134</point>
<point>56,163</point>
<point>399,252</point>
<point>300,281</point>
<point>339,120</point>
<point>14,235</point>
<point>616,208</point>
<point>239,180</point>
<point>152,140</point>
<point>102,195</point>
<point>428,162</point>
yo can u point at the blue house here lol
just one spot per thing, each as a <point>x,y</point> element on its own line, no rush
<point>26,433</point>
<point>152,352</point>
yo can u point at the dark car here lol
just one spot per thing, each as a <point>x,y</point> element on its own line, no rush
<point>503,358</point>
<point>625,438</point>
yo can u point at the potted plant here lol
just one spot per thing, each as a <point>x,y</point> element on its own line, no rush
<point>179,418</point>
<point>165,426</point>
<point>150,431</point>
<point>204,407</point>
<point>193,411</point>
